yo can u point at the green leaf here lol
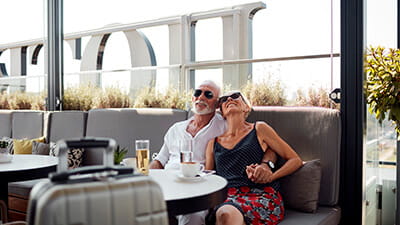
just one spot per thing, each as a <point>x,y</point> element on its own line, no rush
<point>119,154</point>
<point>382,87</point>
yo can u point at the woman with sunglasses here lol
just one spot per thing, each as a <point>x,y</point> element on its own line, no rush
<point>238,156</point>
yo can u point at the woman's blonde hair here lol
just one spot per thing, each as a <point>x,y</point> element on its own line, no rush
<point>245,100</point>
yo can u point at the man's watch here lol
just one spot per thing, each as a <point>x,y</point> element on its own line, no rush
<point>270,164</point>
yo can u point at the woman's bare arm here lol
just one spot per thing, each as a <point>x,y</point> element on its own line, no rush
<point>280,147</point>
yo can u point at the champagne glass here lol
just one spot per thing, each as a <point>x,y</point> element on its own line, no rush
<point>143,155</point>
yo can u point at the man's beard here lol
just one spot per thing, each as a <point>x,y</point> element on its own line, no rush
<point>206,110</point>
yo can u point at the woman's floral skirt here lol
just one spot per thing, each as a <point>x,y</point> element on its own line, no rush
<point>257,206</point>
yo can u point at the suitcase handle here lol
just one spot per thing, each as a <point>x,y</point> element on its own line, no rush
<point>107,144</point>
<point>65,176</point>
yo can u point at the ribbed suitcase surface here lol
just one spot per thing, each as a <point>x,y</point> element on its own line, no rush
<point>130,201</point>
<point>96,198</point>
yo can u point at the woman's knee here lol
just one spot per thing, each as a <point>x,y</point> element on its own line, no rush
<point>228,213</point>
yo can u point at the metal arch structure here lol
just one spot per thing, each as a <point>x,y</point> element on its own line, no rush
<point>3,70</point>
<point>34,53</point>
<point>141,54</point>
<point>75,45</point>
<point>90,57</point>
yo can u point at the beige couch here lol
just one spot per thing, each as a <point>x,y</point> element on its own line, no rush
<point>313,132</point>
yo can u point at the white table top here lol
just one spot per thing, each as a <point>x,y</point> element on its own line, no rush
<point>28,162</point>
<point>174,188</point>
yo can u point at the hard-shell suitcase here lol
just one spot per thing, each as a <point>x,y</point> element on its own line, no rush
<point>96,194</point>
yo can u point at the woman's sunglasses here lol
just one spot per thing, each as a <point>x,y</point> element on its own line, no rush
<point>208,94</point>
<point>233,96</point>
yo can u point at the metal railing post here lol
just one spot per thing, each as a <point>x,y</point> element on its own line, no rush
<point>55,60</point>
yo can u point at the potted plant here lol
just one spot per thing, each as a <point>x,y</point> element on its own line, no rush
<point>382,68</point>
<point>3,146</point>
<point>119,154</point>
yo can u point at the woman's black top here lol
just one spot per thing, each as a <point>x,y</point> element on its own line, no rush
<point>231,163</point>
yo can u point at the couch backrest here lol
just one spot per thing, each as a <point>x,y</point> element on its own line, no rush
<point>27,124</point>
<point>5,123</point>
<point>66,125</point>
<point>314,133</point>
<point>127,125</point>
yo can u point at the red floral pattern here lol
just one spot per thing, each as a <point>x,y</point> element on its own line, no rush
<point>259,206</point>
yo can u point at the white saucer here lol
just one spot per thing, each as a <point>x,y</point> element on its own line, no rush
<point>5,158</point>
<point>189,179</point>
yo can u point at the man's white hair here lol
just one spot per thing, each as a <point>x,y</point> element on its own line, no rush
<point>212,83</point>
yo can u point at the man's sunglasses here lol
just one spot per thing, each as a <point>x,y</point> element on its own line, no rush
<point>233,96</point>
<point>198,92</point>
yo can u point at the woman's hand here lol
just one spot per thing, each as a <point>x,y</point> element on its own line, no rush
<point>260,174</point>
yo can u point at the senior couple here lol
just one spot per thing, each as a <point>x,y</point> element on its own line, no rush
<point>242,152</point>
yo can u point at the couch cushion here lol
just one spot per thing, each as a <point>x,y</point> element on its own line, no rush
<point>306,180</point>
<point>24,146</point>
<point>39,148</point>
<point>74,155</point>
<point>127,125</point>
<point>314,133</point>
<point>65,125</point>
<point>323,216</point>
<point>23,188</point>
<point>27,124</point>
<point>5,121</point>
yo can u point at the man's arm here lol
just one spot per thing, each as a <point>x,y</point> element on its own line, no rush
<point>162,156</point>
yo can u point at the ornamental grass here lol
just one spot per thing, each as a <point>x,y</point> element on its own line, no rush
<point>22,100</point>
<point>266,93</point>
<point>172,98</point>
<point>315,97</point>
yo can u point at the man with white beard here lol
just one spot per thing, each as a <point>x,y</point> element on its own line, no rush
<point>200,128</point>
<point>203,126</point>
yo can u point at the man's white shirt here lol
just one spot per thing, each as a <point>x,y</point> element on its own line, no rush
<point>169,155</point>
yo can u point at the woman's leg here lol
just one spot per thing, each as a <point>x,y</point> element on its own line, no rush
<point>229,215</point>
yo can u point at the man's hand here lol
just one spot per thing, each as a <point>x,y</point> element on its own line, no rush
<point>259,173</point>
<point>155,164</point>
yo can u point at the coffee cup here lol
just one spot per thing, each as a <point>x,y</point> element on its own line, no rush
<point>5,157</point>
<point>130,162</point>
<point>191,169</point>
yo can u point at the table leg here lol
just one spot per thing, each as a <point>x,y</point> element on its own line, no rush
<point>3,200</point>
<point>172,220</point>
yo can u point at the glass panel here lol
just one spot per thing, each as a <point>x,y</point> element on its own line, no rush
<point>280,30</point>
<point>373,146</point>
<point>380,157</point>
<point>307,78</point>
<point>209,39</point>
<point>125,80</point>
<point>22,62</point>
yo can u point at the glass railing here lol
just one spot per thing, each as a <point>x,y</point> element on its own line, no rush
<point>381,149</point>
<point>297,80</point>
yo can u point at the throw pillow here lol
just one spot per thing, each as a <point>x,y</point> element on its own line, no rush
<point>300,190</point>
<point>74,156</point>
<point>39,148</point>
<point>24,146</point>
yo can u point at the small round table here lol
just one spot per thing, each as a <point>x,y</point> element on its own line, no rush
<point>183,197</point>
<point>25,167</point>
